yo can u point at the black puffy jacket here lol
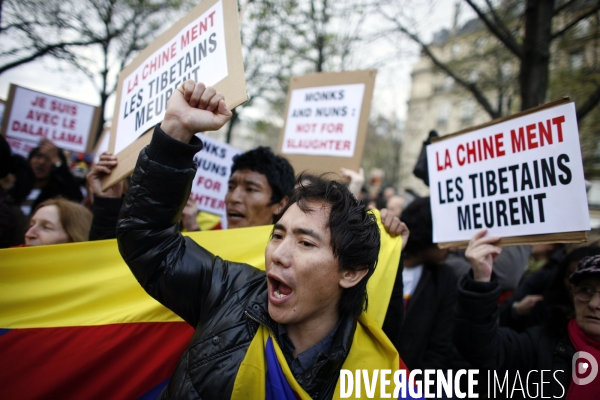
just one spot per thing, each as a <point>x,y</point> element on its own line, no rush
<point>224,301</point>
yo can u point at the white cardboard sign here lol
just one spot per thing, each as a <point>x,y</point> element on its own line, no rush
<point>20,147</point>
<point>197,52</point>
<point>214,163</point>
<point>523,176</point>
<point>323,121</point>
<point>34,115</point>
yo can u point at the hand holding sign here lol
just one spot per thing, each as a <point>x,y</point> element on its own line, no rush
<point>103,167</point>
<point>481,253</point>
<point>193,108</point>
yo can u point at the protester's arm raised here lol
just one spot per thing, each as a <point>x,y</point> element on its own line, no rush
<point>107,203</point>
<point>175,270</point>
<point>476,332</point>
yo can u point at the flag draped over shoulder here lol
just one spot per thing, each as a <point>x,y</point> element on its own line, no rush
<point>75,324</point>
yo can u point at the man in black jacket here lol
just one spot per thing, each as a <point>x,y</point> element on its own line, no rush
<point>318,260</point>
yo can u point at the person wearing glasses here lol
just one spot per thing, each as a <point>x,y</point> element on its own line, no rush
<point>558,359</point>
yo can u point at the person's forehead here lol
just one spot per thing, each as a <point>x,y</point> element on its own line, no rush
<point>40,155</point>
<point>47,213</point>
<point>592,280</point>
<point>250,177</point>
<point>313,213</point>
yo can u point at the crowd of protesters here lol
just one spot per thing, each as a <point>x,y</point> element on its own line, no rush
<point>516,308</point>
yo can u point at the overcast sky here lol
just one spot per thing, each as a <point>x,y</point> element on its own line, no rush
<point>392,88</point>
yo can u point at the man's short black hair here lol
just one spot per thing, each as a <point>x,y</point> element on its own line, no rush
<point>418,220</point>
<point>278,170</point>
<point>355,237</point>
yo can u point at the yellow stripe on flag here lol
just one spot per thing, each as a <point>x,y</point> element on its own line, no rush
<point>87,284</point>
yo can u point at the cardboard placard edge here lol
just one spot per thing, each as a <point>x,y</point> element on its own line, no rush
<point>563,237</point>
<point>7,108</point>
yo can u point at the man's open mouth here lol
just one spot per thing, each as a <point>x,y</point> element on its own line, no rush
<point>235,215</point>
<point>280,289</point>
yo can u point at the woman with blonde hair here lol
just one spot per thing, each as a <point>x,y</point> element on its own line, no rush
<point>56,221</point>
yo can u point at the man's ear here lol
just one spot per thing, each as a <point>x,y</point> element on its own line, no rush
<point>279,206</point>
<point>351,277</point>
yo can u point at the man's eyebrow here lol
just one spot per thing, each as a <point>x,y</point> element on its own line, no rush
<point>252,183</point>
<point>299,231</point>
<point>308,232</point>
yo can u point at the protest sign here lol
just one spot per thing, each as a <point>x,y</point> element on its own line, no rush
<point>210,183</point>
<point>21,147</point>
<point>203,46</point>
<point>520,177</point>
<point>327,116</point>
<point>31,115</point>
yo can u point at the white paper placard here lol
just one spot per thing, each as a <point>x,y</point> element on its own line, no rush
<point>523,176</point>
<point>323,120</point>
<point>198,50</point>
<point>20,147</point>
<point>209,188</point>
<point>35,115</point>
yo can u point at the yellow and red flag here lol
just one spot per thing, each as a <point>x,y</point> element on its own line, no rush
<point>75,324</point>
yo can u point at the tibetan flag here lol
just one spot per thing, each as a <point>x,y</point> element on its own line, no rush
<point>75,324</point>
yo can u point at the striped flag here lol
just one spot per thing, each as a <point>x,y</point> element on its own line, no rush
<point>75,324</point>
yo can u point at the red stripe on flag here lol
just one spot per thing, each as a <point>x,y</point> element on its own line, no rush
<point>121,361</point>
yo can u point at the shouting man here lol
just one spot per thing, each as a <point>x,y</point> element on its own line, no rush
<point>284,332</point>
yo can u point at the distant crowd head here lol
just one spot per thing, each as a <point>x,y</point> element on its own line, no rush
<point>57,221</point>
<point>418,219</point>
<point>258,188</point>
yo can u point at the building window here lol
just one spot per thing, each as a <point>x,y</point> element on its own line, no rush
<point>468,111</point>
<point>505,71</point>
<point>480,44</point>
<point>455,50</point>
<point>576,61</point>
<point>582,28</point>
<point>443,112</point>
<point>448,83</point>
<point>473,76</point>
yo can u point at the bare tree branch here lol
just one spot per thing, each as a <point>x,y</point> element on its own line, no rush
<point>46,50</point>
<point>589,104</point>
<point>471,87</point>
<point>591,11</point>
<point>564,6</point>
<point>508,40</point>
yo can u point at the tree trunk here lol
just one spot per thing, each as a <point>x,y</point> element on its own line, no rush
<point>533,76</point>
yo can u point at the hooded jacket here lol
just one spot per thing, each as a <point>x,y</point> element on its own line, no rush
<point>224,301</point>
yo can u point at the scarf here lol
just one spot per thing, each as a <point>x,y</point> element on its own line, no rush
<point>581,342</point>
<point>265,374</point>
